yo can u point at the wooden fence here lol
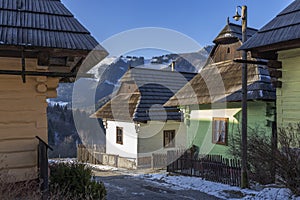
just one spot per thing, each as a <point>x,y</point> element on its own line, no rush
<point>90,154</point>
<point>159,160</point>
<point>96,155</point>
<point>210,167</point>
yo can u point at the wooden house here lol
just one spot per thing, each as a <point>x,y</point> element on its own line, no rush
<point>211,101</point>
<point>137,124</point>
<point>279,40</point>
<point>41,44</point>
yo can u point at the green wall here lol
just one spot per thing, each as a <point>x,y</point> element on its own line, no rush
<point>199,128</point>
<point>288,97</point>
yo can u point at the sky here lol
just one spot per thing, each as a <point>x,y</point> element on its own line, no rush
<point>199,20</point>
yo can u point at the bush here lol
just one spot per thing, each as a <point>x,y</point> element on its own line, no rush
<point>266,162</point>
<point>21,190</point>
<point>288,157</point>
<point>260,159</point>
<point>76,180</point>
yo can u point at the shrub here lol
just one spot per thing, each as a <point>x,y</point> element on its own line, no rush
<point>21,190</point>
<point>288,157</point>
<point>260,159</point>
<point>266,162</point>
<point>75,179</point>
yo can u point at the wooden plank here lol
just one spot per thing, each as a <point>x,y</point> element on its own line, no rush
<point>52,83</point>
<point>18,160</point>
<point>17,145</point>
<point>16,64</point>
<point>14,132</point>
<point>20,116</point>
<point>21,174</point>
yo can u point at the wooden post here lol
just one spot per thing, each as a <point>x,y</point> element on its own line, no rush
<point>43,167</point>
<point>244,172</point>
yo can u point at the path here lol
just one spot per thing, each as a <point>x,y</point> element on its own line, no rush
<point>122,185</point>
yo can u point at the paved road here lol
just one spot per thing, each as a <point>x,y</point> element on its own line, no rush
<point>120,186</point>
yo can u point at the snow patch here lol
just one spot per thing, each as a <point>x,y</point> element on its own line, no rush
<point>53,103</point>
<point>109,83</point>
<point>105,62</point>
<point>218,189</point>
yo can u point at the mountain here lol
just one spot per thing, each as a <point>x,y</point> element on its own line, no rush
<point>108,72</point>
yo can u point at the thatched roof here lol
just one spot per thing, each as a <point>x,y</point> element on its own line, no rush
<point>155,87</point>
<point>222,82</point>
<point>42,23</point>
<point>283,29</point>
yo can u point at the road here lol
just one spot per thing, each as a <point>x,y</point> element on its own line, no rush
<point>126,186</point>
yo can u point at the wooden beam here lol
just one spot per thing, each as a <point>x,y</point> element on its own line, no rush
<point>57,61</point>
<point>270,63</point>
<point>274,64</point>
<point>275,73</point>
<point>276,83</point>
<point>35,73</point>
<point>254,62</point>
<point>43,58</point>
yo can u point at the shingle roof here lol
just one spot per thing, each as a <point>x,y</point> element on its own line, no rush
<point>233,32</point>
<point>155,87</point>
<point>222,82</point>
<point>42,23</point>
<point>283,28</point>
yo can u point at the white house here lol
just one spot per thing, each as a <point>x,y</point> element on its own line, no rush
<point>137,124</point>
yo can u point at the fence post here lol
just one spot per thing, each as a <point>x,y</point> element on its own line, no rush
<point>43,167</point>
<point>152,161</point>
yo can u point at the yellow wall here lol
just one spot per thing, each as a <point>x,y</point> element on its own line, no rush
<point>288,97</point>
<point>23,116</point>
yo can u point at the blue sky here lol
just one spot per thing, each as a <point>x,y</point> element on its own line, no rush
<point>200,20</point>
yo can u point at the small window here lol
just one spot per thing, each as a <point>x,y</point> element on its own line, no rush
<point>228,50</point>
<point>169,138</point>
<point>220,131</point>
<point>119,135</point>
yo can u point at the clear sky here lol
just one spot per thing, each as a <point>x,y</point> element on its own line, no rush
<point>201,20</point>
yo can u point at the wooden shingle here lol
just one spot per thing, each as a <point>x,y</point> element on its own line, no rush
<point>42,23</point>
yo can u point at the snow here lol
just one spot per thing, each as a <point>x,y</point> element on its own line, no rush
<point>105,62</point>
<point>53,103</point>
<point>178,182</point>
<point>217,189</point>
<point>109,83</point>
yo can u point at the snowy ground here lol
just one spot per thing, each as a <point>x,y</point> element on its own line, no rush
<point>219,190</point>
<point>194,183</point>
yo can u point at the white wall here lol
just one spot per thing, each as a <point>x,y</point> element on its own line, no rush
<point>129,146</point>
<point>151,137</point>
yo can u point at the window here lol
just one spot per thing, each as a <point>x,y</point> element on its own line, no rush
<point>119,135</point>
<point>228,50</point>
<point>169,138</point>
<point>220,131</point>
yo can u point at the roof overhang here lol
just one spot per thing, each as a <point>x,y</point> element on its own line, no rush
<point>269,52</point>
<point>62,63</point>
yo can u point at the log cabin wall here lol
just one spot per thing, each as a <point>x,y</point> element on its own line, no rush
<point>225,52</point>
<point>23,116</point>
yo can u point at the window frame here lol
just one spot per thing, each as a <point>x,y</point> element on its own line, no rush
<point>170,134</point>
<point>119,136</point>
<point>214,135</point>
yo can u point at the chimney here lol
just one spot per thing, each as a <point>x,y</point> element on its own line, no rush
<point>173,66</point>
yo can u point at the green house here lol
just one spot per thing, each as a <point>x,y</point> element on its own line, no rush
<point>211,101</point>
<point>279,40</point>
